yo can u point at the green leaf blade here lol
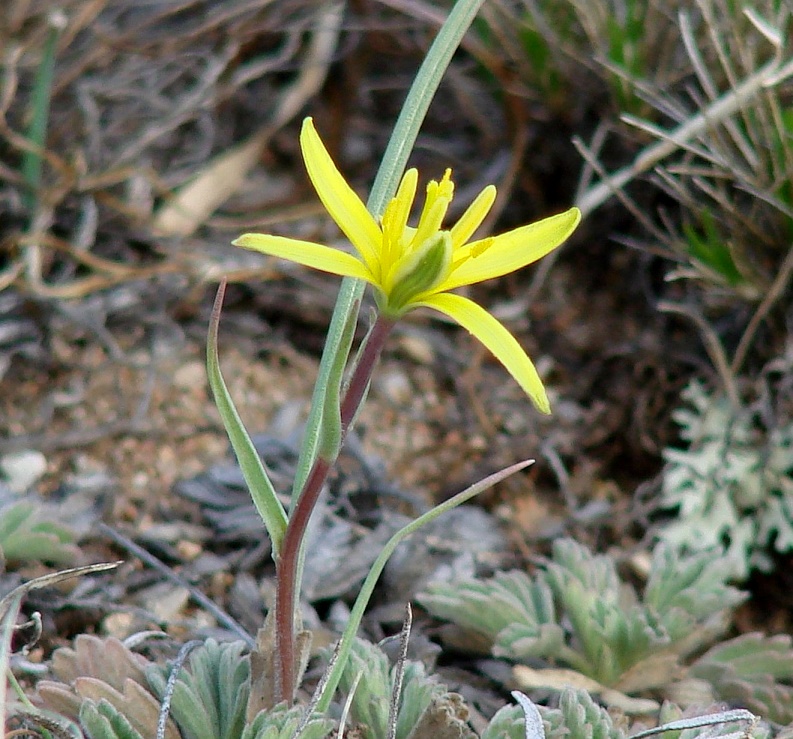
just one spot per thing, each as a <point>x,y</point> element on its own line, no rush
<point>261,488</point>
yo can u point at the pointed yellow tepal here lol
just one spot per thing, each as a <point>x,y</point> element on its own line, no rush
<point>414,267</point>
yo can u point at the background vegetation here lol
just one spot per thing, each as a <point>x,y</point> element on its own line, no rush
<point>138,139</point>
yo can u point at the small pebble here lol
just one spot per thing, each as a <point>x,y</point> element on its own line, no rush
<point>165,601</point>
<point>417,348</point>
<point>23,469</point>
<point>190,375</point>
<point>395,386</point>
<point>188,550</point>
<point>119,625</point>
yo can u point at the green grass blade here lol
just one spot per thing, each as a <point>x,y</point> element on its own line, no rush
<point>384,188</point>
<point>379,564</point>
<point>261,489</point>
<point>7,622</point>
<point>32,160</point>
<point>418,102</point>
<point>345,314</point>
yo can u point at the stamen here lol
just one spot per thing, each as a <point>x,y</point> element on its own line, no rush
<point>471,251</point>
<point>405,196</point>
<point>431,222</point>
<point>446,186</point>
<point>474,214</point>
<point>480,247</point>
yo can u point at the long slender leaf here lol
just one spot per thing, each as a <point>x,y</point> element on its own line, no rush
<point>12,604</point>
<point>40,112</point>
<point>331,435</point>
<point>261,488</point>
<point>379,564</point>
<point>391,168</point>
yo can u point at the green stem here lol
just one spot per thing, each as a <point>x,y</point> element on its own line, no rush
<point>393,164</point>
<point>287,568</point>
<point>367,588</point>
<point>32,159</point>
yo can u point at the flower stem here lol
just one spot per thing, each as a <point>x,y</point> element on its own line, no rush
<point>287,586</point>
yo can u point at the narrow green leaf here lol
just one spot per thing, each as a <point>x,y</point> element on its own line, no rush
<point>102,720</point>
<point>261,489</point>
<point>331,431</point>
<point>40,111</point>
<point>406,129</point>
<point>344,314</point>
<point>379,564</point>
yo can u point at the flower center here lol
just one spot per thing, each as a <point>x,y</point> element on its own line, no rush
<point>420,271</point>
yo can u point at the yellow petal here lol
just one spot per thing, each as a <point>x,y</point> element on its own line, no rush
<point>308,254</point>
<point>403,201</point>
<point>513,250</point>
<point>473,216</point>
<point>496,338</point>
<point>431,221</point>
<point>395,221</point>
<point>438,193</point>
<point>339,199</point>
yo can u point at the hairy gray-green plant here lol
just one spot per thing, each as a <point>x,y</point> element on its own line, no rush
<point>733,486</point>
<point>116,694</point>
<point>508,723</point>
<point>282,722</point>
<point>579,717</point>
<point>426,706</point>
<point>29,532</point>
<point>112,679</point>
<point>523,721</point>
<point>209,698</point>
<point>102,720</point>
<point>578,612</point>
<point>753,670</point>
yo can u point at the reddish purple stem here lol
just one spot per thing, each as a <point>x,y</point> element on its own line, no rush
<point>286,566</point>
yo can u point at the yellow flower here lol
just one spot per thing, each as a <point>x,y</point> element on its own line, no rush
<point>418,267</point>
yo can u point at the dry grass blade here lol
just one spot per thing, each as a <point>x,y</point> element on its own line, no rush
<point>9,608</point>
<point>140,100</point>
<point>176,668</point>
<point>534,725</point>
<point>46,581</point>
<point>345,712</point>
<point>191,207</point>
<point>681,137</point>
<point>399,673</point>
<point>712,345</point>
<point>775,293</point>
